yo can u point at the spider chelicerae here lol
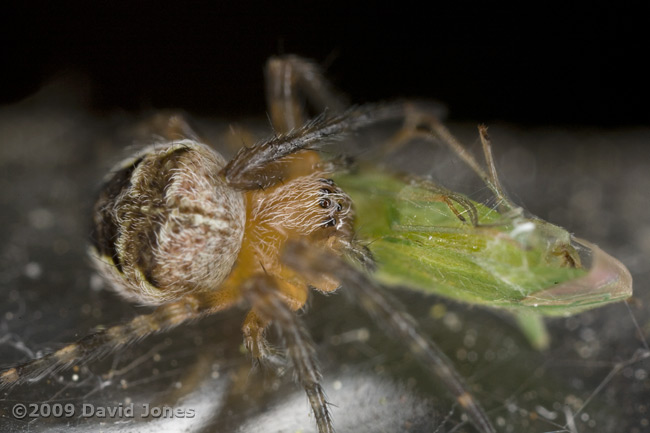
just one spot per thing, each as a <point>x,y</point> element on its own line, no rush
<point>181,229</point>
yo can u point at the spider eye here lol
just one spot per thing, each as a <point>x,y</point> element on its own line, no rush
<point>325,191</point>
<point>328,181</point>
<point>339,208</point>
<point>326,203</point>
<point>330,222</point>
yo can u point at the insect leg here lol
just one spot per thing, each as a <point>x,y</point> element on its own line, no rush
<point>448,197</point>
<point>388,313</point>
<point>262,294</point>
<point>103,341</point>
<point>420,123</point>
<point>489,160</point>
<point>290,79</point>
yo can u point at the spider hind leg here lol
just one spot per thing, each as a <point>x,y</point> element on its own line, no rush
<point>102,342</point>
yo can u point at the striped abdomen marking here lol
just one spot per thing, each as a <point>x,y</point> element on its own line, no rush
<point>166,223</point>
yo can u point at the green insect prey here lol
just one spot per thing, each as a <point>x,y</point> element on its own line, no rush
<point>434,240</point>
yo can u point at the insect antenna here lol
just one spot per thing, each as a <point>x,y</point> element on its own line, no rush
<point>388,313</point>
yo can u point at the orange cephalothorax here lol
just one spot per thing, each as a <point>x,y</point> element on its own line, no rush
<point>310,206</point>
<point>303,207</point>
<point>307,205</point>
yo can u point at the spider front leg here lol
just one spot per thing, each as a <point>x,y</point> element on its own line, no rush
<point>389,314</point>
<point>262,293</point>
<point>261,166</point>
<point>291,79</point>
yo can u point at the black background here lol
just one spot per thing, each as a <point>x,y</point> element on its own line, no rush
<point>568,65</point>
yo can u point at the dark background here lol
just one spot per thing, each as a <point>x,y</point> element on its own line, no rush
<point>570,66</point>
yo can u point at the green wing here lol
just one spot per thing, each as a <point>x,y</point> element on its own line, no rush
<point>437,241</point>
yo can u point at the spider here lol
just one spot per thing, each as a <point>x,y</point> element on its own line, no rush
<point>179,228</point>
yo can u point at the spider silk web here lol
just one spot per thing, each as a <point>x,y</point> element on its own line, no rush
<point>594,376</point>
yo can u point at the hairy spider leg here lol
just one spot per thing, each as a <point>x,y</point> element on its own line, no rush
<point>249,168</point>
<point>276,292</point>
<point>285,77</point>
<point>262,293</point>
<point>291,79</point>
<point>102,342</point>
<point>390,315</point>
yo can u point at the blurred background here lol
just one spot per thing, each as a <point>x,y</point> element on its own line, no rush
<point>567,65</point>
<point>565,96</point>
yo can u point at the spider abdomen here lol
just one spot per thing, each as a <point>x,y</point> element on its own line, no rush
<point>166,223</point>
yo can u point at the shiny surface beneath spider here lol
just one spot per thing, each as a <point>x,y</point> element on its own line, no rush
<point>48,181</point>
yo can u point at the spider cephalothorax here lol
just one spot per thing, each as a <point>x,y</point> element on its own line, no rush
<point>167,224</point>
